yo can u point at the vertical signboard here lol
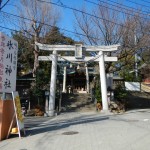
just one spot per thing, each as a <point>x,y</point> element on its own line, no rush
<point>8,63</point>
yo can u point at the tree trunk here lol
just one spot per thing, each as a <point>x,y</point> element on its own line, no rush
<point>36,62</point>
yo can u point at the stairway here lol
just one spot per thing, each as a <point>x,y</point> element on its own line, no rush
<point>79,102</point>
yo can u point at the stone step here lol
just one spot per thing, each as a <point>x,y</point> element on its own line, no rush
<point>78,102</point>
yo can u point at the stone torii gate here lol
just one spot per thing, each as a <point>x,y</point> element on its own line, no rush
<point>78,48</point>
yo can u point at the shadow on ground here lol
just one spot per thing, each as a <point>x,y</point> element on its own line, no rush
<point>55,125</point>
<point>138,100</point>
<point>135,100</point>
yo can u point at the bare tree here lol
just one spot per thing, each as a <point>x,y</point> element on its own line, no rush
<point>2,6</point>
<point>37,18</point>
<point>106,26</point>
<point>100,28</point>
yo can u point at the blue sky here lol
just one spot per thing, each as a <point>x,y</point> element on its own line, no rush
<point>67,17</point>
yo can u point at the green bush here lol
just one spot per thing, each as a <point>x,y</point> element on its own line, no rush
<point>98,93</point>
<point>120,93</point>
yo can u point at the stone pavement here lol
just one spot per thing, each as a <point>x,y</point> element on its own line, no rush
<point>87,131</point>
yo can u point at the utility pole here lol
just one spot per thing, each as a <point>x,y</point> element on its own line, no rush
<point>135,57</point>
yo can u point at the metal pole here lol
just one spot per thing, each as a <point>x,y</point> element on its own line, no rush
<point>53,84</point>
<point>103,81</point>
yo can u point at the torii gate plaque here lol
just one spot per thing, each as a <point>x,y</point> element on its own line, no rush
<point>79,58</point>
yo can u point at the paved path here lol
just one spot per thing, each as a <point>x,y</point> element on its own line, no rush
<point>92,131</point>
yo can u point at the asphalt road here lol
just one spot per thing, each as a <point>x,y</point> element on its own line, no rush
<point>85,131</point>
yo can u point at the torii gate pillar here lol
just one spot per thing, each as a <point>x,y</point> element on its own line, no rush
<point>87,79</point>
<point>64,79</point>
<point>53,84</point>
<point>103,81</point>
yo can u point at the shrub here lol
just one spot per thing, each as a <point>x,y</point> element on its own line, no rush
<point>120,93</point>
<point>98,94</point>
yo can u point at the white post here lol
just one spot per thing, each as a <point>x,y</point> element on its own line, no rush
<point>64,80</point>
<point>53,84</point>
<point>103,81</point>
<point>87,79</point>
